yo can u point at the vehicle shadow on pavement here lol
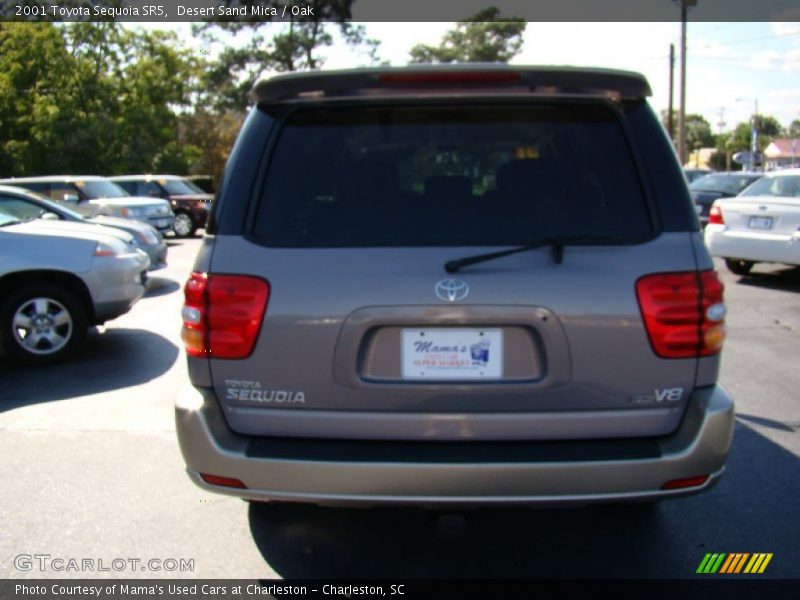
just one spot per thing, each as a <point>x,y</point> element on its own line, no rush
<point>790,427</point>
<point>160,286</point>
<point>749,511</point>
<point>784,279</point>
<point>114,359</point>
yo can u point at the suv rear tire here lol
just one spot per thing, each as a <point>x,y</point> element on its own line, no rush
<point>739,267</point>
<point>184,225</point>
<point>52,313</point>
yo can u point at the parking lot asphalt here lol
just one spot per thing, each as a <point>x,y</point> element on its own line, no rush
<point>92,470</point>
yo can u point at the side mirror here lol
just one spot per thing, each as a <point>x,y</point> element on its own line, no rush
<point>71,198</point>
<point>48,216</point>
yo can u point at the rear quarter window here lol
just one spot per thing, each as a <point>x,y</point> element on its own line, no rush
<point>450,175</point>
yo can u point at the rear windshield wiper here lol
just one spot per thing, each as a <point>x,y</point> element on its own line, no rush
<point>557,244</point>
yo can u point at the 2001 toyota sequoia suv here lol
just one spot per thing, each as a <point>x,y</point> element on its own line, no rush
<point>454,285</point>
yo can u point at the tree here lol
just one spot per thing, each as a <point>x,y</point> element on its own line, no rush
<point>295,46</point>
<point>213,136</point>
<point>485,37</point>
<point>91,98</point>
<point>698,133</point>
<point>154,87</point>
<point>793,131</point>
<point>698,130</point>
<point>42,97</point>
<point>721,159</point>
<point>768,128</point>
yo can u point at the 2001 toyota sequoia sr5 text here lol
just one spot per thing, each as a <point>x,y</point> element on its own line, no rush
<point>454,285</point>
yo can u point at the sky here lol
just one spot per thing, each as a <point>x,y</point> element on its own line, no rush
<point>730,66</point>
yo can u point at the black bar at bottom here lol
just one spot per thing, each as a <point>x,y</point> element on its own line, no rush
<point>733,587</point>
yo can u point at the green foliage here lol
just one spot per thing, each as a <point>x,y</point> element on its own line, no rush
<point>246,50</point>
<point>741,137</point>
<point>793,131</point>
<point>97,98</point>
<point>698,133</point>
<point>717,161</point>
<point>485,37</point>
<point>698,130</point>
<point>29,81</point>
<point>91,98</point>
<point>213,136</point>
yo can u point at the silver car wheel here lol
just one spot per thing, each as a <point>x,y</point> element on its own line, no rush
<point>183,224</point>
<point>42,326</point>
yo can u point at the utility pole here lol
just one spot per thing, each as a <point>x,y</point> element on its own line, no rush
<point>670,124</point>
<point>720,143</point>
<point>685,4</point>
<point>754,143</point>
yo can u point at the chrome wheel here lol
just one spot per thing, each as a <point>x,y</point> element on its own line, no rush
<point>42,326</point>
<point>183,225</point>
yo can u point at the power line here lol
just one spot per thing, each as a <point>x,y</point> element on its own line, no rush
<point>748,40</point>
<point>745,67</point>
<point>717,28</point>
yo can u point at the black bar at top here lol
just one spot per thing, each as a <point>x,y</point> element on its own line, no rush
<point>398,11</point>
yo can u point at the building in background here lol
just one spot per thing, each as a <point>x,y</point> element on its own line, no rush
<point>782,153</point>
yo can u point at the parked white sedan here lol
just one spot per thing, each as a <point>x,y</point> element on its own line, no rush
<point>761,224</point>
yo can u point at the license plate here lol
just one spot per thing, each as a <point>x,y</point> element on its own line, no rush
<point>452,354</point>
<point>760,223</point>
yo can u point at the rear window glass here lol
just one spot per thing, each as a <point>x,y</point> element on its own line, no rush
<point>726,184</point>
<point>100,189</point>
<point>783,186</point>
<point>435,176</point>
<point>178,187</point>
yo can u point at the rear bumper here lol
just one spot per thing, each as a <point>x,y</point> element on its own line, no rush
<point>545,473</point>
<point>752,246</point>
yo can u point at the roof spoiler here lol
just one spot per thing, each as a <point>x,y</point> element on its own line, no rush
<point>463,78</point>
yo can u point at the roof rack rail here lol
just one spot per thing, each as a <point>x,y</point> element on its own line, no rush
<point>425,79</point>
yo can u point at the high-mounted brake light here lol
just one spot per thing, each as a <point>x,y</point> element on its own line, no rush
<point>715,215</point>
<point>684,313</point>
<point>445,77</point>
<point>222,314</point>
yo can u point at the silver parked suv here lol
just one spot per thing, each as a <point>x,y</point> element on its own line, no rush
<point>58,278</point>
<point>454,285</point>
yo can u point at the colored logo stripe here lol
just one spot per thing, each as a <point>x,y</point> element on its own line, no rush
<point>758,563</point>
<point>711,562</point>
<point>729,564</point>
<point>734,563</point>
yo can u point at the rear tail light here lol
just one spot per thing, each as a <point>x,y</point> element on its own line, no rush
<point>715,215</point>
<point>222,314</point>
<point>677,484</point>
<point>683,313</point>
